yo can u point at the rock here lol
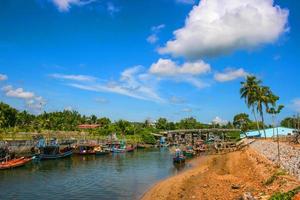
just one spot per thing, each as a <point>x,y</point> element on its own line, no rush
<point>235,186</point>
<point>248,196</point>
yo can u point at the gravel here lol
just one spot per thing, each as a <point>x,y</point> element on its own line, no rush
<point>289,156</point>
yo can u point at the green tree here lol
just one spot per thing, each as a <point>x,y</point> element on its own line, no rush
<point>162,124</point>
<point>249,92</point>
<point>242,121</point>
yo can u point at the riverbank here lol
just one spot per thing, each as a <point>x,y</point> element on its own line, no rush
<point>229,176</point>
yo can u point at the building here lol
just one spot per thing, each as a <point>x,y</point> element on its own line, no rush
<point>282,131</point>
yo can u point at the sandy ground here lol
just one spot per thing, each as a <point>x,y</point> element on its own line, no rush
<point>215,177</point>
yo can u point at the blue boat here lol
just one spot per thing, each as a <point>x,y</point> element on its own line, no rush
<point>178,157</point>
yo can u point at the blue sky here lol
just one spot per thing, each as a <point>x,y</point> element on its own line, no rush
<point>147,59</point>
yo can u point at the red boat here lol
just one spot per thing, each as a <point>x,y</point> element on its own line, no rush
<point>130,149</point>
<point>18,162</point>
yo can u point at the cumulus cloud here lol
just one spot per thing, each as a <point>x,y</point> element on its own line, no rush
<point>65,5</point>
<point>217,27</point>
<point>153,38</point>
<point>73,77</point>
<point>32,101</point>
<point>167,67</point>
<point>219,120</point>
<point>17,93</point>
<point>230,74</point>
<point>187,72</point>
<point>3,77</point>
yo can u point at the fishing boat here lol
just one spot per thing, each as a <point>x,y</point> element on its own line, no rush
<point>130,149</point>
<point>53,150</point>
<point>178,157</point>
<point>119,148</point>
<point>189,152</point>
<point>13,163</point>
<point>87,149</point>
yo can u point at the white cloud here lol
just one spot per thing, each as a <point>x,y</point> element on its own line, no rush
<point>73,77</point>
<point>129,84</point>
<point>296,105</point>
<point>65,5</point>
<point>33,102</point>
<point>153,38</point>
<point>3,77</point>
<point>220,121</point>
<point>230,74</point>
<point>217,27</point>
<point>17,93</point>
<point>186,1</point>
<point>69,108</point>
<point>167,67</point>
<point>187,72</point>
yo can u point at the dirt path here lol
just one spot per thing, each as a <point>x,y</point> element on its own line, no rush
<point>217,176</point>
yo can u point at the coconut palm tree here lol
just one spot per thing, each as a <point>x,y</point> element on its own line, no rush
<point>264,97</point>
<point>249,92</point>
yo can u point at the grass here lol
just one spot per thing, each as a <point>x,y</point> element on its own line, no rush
<point>271,179</point>
<point>286,195</point>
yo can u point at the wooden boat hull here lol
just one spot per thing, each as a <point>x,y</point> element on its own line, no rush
<point>56,156</point>
<point>14,163</point>
<point>118,150</point>
<point>131,149</point>
<point>179,159</point>
<point>100,153</point>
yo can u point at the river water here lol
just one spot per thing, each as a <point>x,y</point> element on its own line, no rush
<point>117,176</point>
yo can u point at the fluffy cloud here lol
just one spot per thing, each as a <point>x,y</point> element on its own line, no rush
<point>187,110</point>
<point>219,120</point>
<point>3,77</point>
<point>230,74</point>
<point>296,105</point>
<point>187,72</point>
<point>32,101</point>
<point>153,38</point>
<point>217,27</point>
<point>17,93</point>
<point>167,67</point>
<point>73,77</point>
<point>65,5</point>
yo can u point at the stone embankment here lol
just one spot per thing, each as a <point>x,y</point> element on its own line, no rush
<point>289,155</point>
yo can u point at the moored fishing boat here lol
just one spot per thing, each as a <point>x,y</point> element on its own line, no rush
<point>13,163</point>
<point>178,157</point>
<point>189,152</point>
<point>130,148</point>
<point>53,150</point>
<point>87,149</point>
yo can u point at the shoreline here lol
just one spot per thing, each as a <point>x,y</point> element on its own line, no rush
<point>228,176</point>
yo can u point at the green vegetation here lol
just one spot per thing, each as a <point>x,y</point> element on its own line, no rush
<point>270,180</point>
<point>18,125</point>
<point>285,196</point>
<point>260,99</point>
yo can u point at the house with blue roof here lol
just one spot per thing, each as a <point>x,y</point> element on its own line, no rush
<point>270,132</point>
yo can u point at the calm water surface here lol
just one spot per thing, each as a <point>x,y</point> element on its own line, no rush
<point>117,176</point>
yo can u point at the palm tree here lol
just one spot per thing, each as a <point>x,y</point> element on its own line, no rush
<point>249,92</point>
<point>263,99</point>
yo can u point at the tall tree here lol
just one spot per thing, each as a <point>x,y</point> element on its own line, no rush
<point>249,92</point>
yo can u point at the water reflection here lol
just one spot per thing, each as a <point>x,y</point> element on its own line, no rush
<point>115,176</point>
